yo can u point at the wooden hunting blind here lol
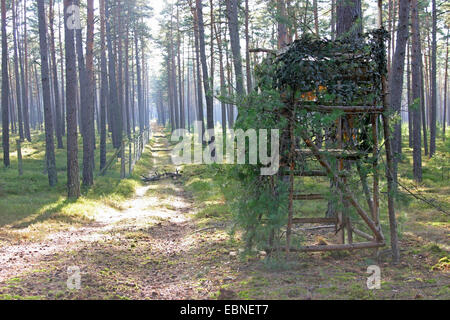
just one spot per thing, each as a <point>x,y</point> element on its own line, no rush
<point>334,105</point>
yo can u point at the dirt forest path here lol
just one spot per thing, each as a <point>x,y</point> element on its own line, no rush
<point>148,250</point>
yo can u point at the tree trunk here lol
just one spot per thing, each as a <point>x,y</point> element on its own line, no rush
<point>316,18</point>
<point>173,74</point>
<point>444,119</point>
<point>200,116</point>
<point>16,71</point>
<point>206,83</point>
<point>89,133</point>
<point>416,83</point>
<point>281,27</point>
<point>433,83</point>
<point>116,118</point>
<point>104,87</point>
<point>127,77</point>
<point>233,25</point>
<point>139,83</point>
<point>247,52</point>
<point>24,78</point>
<point>45,75</point>
<point>73,179</point>
<point>222,81</point>
<point>120,84</point>
<point>58,121</point>
<point>423,102</point>
<point>396,81</point>
<point>333,19</point>
<point>349,18</point>
<point>5,89</point>
<point>410,122</point>
<point>63,101</point>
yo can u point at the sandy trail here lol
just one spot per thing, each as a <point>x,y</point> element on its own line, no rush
<point>142,210</point>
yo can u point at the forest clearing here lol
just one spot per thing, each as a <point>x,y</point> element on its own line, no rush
<point>224,150</point>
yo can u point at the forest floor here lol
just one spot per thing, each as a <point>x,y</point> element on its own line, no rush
<point>170,239</point>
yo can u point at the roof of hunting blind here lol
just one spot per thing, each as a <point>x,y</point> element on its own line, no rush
<point>320,71</point>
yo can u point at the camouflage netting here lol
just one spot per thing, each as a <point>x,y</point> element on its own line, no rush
<point>340,72</point>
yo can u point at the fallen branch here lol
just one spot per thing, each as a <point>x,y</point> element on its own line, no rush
<point>160,176</point>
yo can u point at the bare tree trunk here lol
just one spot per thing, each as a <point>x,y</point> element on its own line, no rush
<point>45,75</point>
<point>433,83</point>
<point>139,83</point>
<point>116,118</point>
<point>120,82</point>
<point>58,121</point>
<point>89,130</point>
<point>104,87</point>
<point>316,18</point>
<point>188,93</point>
<point>281,28</point>
<point>12,103</point>
<point>180,76</point>
<point>16,71</point>
<point>211,28</point>
<point>222,81</point>
<point>200,116</point>
<point>230,112</point>
<point>127,74</point>
<point>73,179</point>
<point>333,19</point>
<point>410,122</point>
<point>349,18</point>
<point>63,101</point>
<point>397,74</point>
<point>233,25</point>
<point>247,47</point>
<point>423,102</point>
<point>133,92</point>
<point>24,76</point>
<point>444,120</point>
<point>206,83</point>
<point>416,83</point>
<point>5,89</point>
<point>173,74</point>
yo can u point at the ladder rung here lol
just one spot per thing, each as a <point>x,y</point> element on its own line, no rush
<point>311,196</point>
<point>347,109</point>
<point>337,153</point>
<point>314,220</point>
<point>314,173</point>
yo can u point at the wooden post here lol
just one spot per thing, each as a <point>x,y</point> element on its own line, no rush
<point>339,213</point>
<point>122,161</point>
<point>134,151</point>
<point>130,164</point>
<point>376,188</point>
<point>19,157</point>
<point>291,185</point>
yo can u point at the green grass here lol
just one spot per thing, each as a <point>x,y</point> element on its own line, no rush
<point>30,207</point>
<point>206,183</point>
